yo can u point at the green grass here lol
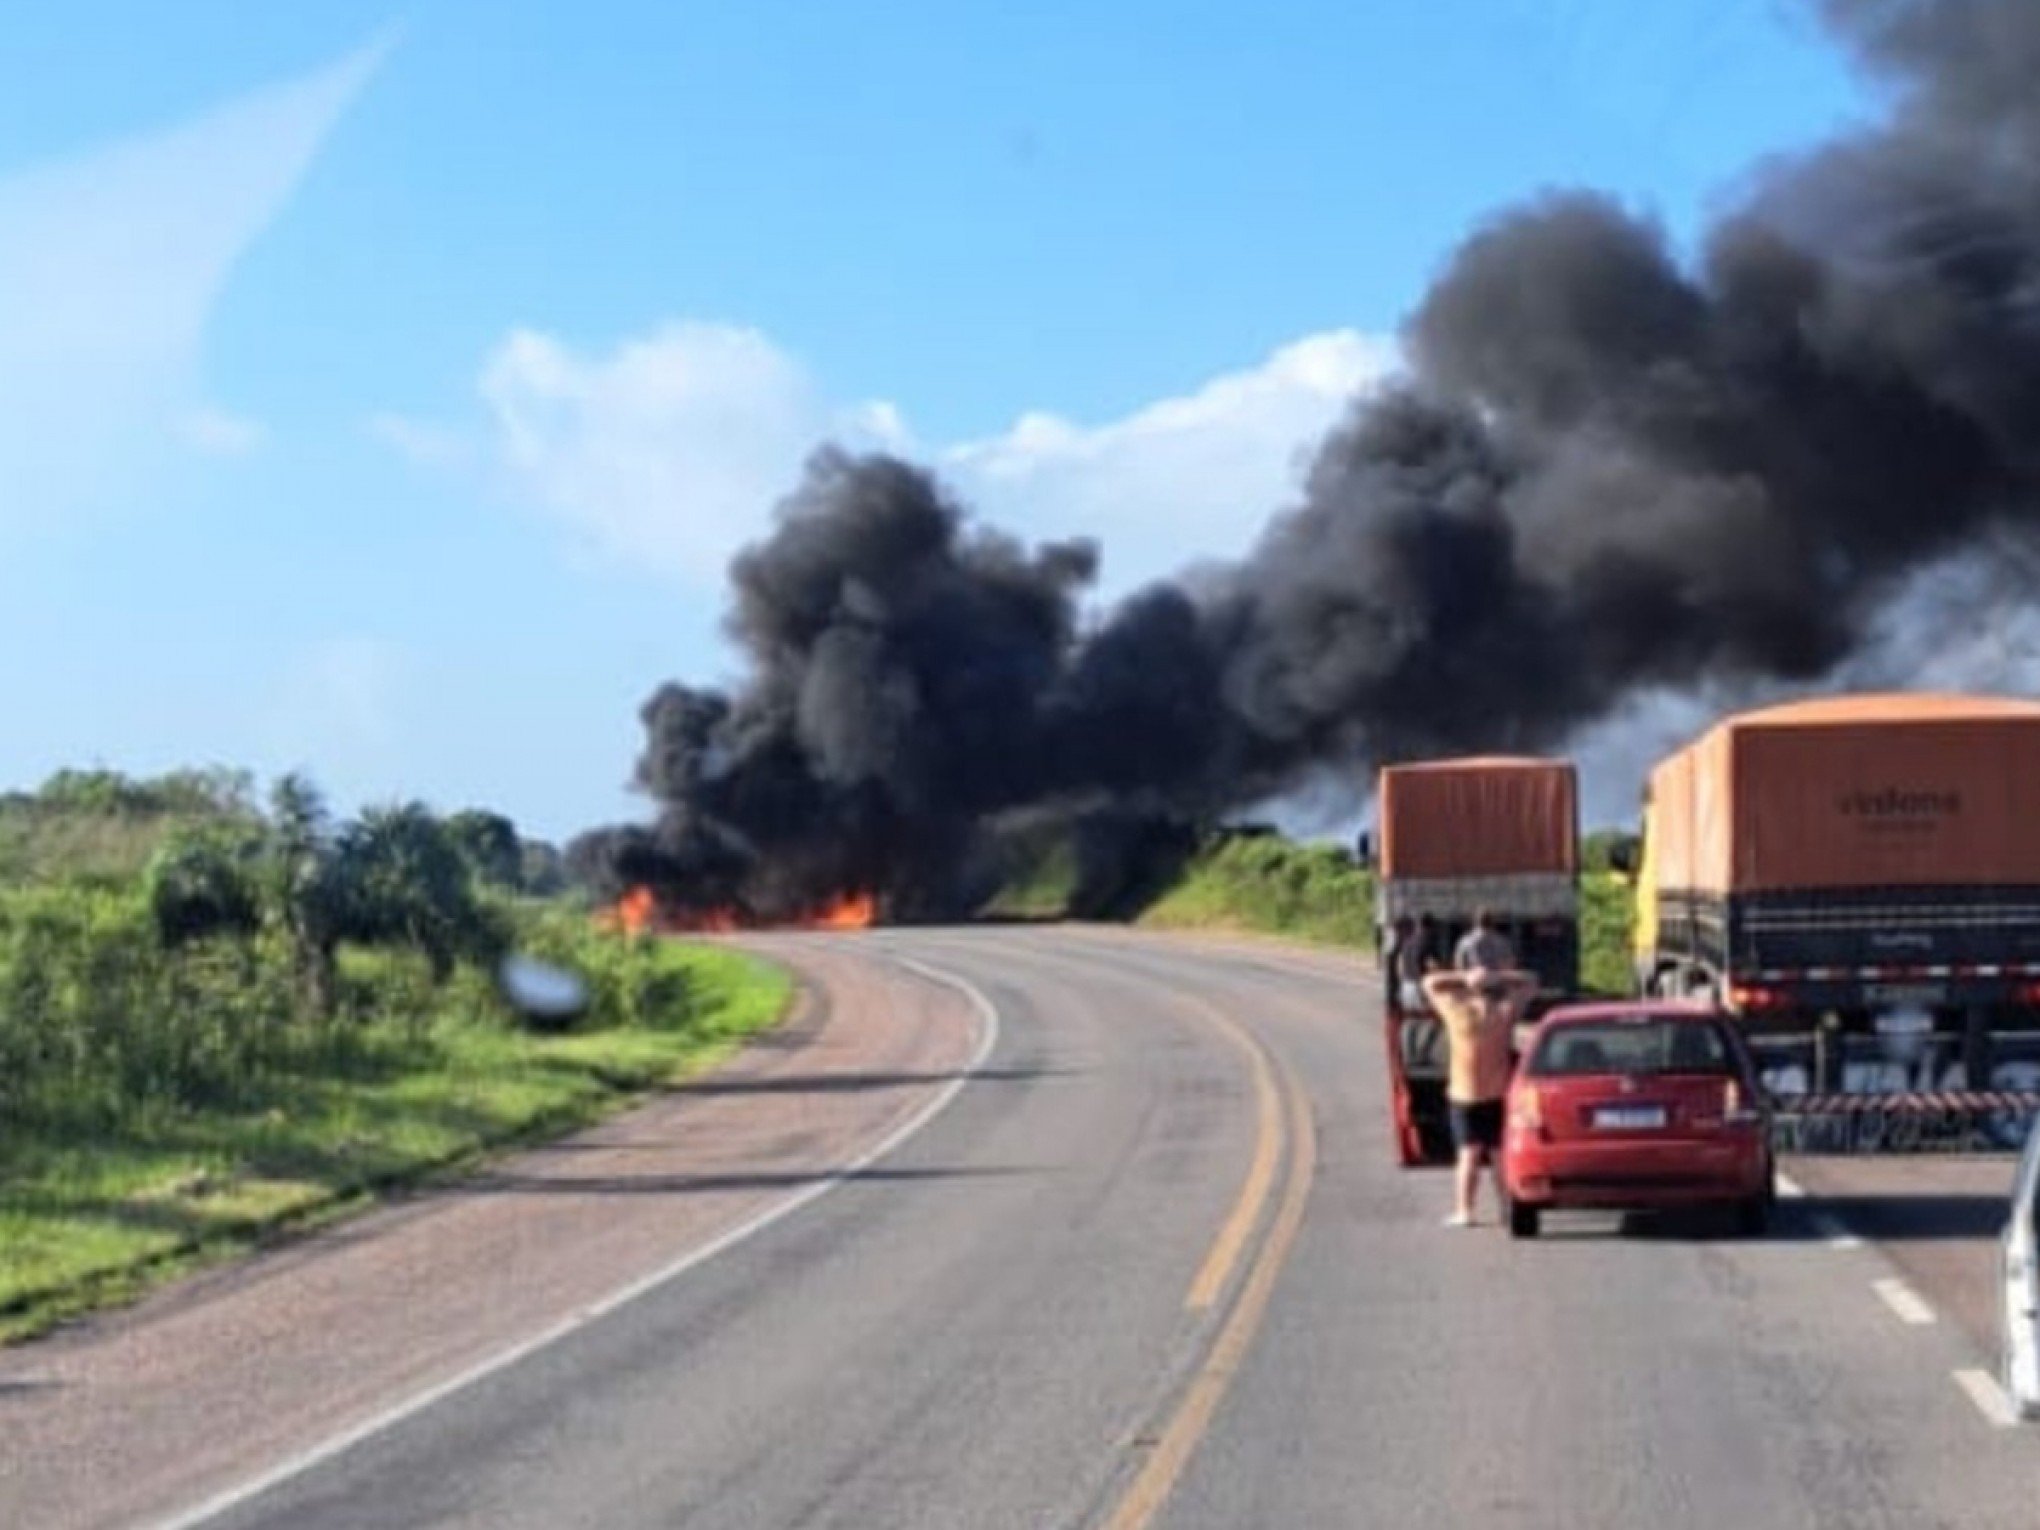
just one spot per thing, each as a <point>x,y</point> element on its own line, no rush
<point>1043,881</point>
<point>101,827</point>
<point>1274,886</point>
<point>86,1219</point>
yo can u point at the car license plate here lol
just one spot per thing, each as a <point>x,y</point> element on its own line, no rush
<point>1630,1117</point>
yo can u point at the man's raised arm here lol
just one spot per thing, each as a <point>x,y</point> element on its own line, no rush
<point>1447,983</point>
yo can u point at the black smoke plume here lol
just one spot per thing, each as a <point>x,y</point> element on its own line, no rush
<point>1605,470</point>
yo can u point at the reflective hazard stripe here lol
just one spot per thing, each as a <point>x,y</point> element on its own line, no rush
<point>1951,1101</point>
<point>1939,972</point>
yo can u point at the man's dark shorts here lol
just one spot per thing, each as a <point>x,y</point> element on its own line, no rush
<point>1478,1125</point>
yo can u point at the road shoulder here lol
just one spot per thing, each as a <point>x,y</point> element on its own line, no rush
<point>211,1382</point>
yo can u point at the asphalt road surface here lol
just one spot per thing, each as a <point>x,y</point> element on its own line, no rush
<point>1132,1251</point>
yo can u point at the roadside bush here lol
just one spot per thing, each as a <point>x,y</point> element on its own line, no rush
<point>96,1013</point>
<point>404,881</point>
<point>206,880</point>
<point>488,843</point>
<point>633,980</point>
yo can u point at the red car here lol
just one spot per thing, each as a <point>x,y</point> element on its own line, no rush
<point>1637,1106</point>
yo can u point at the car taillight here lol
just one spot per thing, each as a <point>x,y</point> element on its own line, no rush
<point>1733,1111</point>
<point>2027,993</point>
<point>1527,1109</point>
<point>1749,997</point>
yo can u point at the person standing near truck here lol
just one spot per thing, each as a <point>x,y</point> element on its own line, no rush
<point>1479,1010</point>
<point>1395,962</point>
<point>1484,948</point>
<point>1412,952</point>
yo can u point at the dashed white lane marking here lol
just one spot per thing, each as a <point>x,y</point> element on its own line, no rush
<point>1979,1386</point>
<point>1903,1300</point>
<point>1835,1231</point>
<point>347,1439</point>
<point>1982,1389</point>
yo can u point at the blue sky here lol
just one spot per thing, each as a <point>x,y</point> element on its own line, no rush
<point>382,389</point>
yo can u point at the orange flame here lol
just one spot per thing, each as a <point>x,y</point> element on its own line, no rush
<point>852,911</point>
<point>635,910</point>
<point>638,911</point>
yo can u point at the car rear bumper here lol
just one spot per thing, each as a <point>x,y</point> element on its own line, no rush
<point>1672,1172</point>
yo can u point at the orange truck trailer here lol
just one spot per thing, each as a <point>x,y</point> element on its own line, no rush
<point>1858,879</point>
<point>1457,836</point>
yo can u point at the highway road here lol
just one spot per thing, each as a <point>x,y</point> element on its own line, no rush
<point>1133,1251</point>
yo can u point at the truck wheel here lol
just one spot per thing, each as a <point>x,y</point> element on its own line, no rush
<point>1523,1220</point>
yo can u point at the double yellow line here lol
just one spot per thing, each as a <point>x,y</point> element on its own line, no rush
<point>1282,1112</point>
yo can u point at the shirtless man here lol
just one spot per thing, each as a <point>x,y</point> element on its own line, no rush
<point>1479,1010</point>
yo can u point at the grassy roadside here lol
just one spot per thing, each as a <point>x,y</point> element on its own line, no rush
<point>1272,886</point>
<point>1041,886</point>
<point>1266,884</point>
<point>88,1219</point>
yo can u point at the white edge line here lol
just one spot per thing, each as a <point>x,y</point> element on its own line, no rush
<point>1904,1301</point>
<point>1790,1188</point>
<point>1983,1390</point>
<point>347,1439</point>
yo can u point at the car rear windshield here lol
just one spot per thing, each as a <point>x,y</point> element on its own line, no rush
<point>1651,1044</point>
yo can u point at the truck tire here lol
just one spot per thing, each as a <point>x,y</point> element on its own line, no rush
<point>1524,1219</point>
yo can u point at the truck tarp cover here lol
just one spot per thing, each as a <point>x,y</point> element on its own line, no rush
<point>1478,817</point>
<point>1854,792</point>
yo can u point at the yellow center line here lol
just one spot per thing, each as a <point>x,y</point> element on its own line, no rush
<point>1231,1241</point>
<point>1157,1478</point>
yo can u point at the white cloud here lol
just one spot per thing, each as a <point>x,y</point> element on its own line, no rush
<point>112,262</point>
<point>666,451</point>
<point>1192,476</point>
<point>669,451</point>
<point>218,433</point>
